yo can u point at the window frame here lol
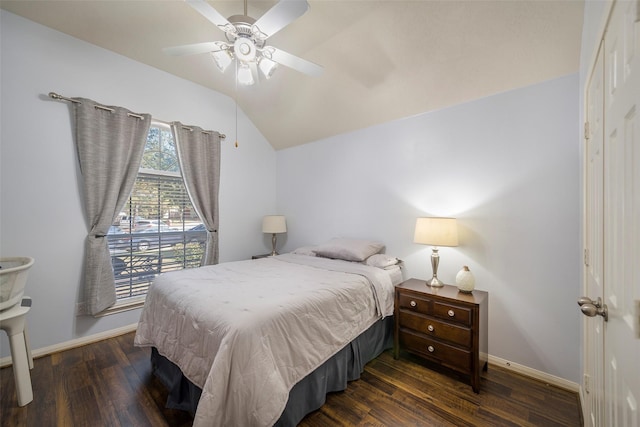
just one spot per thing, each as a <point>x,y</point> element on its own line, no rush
<point>137,301</point>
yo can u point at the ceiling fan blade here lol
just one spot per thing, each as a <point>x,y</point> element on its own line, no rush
<point>192,49</point>
<point>279,16</point>
<point>206,10</point>
<point>298,64</point>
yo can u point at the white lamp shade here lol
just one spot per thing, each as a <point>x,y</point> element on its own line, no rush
<point>222,59</point>
<point>245,76</point>
<point>267,67</point>
<point>436,232</point>
<point>274,224</point>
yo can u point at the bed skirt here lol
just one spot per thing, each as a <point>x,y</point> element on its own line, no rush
<point>307,395</point>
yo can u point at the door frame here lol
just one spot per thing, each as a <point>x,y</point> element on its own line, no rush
<point>598,44</point>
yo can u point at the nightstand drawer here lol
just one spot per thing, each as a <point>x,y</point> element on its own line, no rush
<point>416,304</point>
<point>435,328</point>
<point>448,355</point>
<point>452,313</point>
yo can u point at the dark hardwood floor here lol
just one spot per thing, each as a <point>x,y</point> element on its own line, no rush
<point>109,383</point>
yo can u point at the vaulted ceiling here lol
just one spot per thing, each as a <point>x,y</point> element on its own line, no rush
<point>383,60</point>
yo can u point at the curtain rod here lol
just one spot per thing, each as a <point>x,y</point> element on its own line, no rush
<point>55,96</point>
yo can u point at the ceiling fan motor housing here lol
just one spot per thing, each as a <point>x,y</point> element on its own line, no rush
<point>244,39</point>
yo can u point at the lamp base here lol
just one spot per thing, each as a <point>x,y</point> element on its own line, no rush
<point>435,260</point>
<point>273,245</point>
<point>435,282</point>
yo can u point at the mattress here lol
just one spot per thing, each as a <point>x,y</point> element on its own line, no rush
<point>246,332</point>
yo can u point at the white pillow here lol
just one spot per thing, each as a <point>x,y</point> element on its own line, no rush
<point>305,250</point>
<point>381,261</point>
<point>348,249</point>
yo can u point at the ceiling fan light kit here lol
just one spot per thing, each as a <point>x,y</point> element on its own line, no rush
<point>245,76</point>
<point>222,58</point>
<point>267,67</point>
<point>246,41</point>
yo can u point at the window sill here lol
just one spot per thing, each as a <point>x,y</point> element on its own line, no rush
<point>122,306</point>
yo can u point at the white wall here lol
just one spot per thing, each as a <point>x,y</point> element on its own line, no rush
<point>40,206</point>
<point>506,166</point>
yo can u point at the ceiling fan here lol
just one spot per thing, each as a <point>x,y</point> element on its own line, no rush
<point>246,41</point>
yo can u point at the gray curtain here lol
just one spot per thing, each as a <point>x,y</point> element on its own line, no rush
<point>110,145</point>
<point>199,157</point>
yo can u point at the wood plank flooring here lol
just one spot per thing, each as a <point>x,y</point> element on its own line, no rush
<point>109,383</point>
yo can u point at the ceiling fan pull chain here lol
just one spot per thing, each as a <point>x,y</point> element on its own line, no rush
<point>236,99</point>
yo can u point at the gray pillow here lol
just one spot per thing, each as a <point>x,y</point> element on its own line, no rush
<point>348,249</point>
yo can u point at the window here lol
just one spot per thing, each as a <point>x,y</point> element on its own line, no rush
<point>158,230</point>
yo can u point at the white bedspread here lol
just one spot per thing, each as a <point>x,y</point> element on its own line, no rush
<point>246,332</point>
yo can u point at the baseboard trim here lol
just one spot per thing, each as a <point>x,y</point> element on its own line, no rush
<point>78,342</point>
<point>534,373</point>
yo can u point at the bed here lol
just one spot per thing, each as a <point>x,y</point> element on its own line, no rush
<point>260,342</point>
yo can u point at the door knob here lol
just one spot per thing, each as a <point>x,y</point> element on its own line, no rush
<point>586,300</point>
<point>593,308</point>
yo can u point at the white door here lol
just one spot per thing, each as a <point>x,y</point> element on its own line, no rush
<point>594,255</point>
<point>612,225</point>
<point>622,215</point>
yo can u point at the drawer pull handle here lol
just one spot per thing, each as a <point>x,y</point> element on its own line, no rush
<point>431,349</point>
<point>413,303</point>
<point>430,328</point>
<point>451,313</point>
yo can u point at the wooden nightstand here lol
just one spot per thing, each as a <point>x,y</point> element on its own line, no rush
<point>260,256</point>
<point>443,326</point>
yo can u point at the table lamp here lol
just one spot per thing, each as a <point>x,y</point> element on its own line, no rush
<point>436,232</point>
<point>274,224</point>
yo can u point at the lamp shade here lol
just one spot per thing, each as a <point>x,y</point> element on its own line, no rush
<point>222,58</point>
<point>245,76</point>
<point>436,232</point>
<point>274,224</point>
<point>267,66</point>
